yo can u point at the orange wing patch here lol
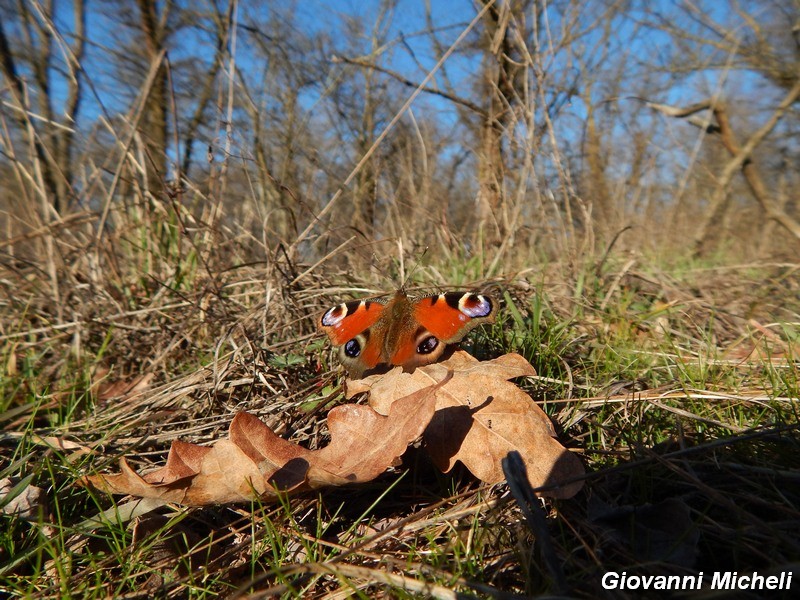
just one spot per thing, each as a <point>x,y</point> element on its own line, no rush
<point>344,322</point>
<point>440,318</point>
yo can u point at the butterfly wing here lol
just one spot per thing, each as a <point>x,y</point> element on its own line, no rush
<point>348,325</point>
<point>450,316</point>
<point>402,331</point>
<point>345,321</point>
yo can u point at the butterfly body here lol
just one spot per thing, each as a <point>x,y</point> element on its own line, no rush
<point>402,331</point>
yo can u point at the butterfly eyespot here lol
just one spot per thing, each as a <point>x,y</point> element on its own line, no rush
<point>334,316</point>
<point>427,345</point>
<point>352,348</point>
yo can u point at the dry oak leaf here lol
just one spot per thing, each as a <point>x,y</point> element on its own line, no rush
<point>22,500</point>
<point>255,463</point>
<point>480,417</point>
<point>122,388</point>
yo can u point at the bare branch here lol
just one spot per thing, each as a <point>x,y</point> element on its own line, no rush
<point>408,83</point>
<point>741,160</point>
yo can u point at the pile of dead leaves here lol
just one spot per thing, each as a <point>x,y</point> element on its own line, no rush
<point>464,410</point>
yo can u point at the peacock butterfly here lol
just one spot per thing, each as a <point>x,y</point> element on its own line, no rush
<point>401,330</point>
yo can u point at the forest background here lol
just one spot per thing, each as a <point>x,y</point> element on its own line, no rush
<point>540,129</point>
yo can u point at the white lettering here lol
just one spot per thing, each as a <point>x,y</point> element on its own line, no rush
<point>687,583</point>
<point>610,581</point>
<point>721,581</point>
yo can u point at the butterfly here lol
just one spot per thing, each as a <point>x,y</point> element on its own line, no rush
<point>402,330</point>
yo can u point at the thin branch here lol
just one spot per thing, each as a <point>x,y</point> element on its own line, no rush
<point>329,206</point>
<point>407,82</point>
<point>741,161</point>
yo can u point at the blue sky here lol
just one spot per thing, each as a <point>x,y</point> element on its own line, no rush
<point>408,51</point>
<point>405,32</point>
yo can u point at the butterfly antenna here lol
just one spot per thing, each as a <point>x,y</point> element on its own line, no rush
<point>400,255</point>
<point>414,268</point>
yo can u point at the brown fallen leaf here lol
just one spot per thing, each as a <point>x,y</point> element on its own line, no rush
<point>122,388</point>
<point>762,346</point>
<point>255,463</point>
<point>22,500</point>
<point>481,417</point>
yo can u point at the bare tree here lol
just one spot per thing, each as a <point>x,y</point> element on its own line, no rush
<point>361,98</point>
<point>30,61</point>
<point>149,65</point>
<point>760,39</point>
<point>513,123</point>
<point>152,29</point>
<point>216,22</point>
<point>288,153</point>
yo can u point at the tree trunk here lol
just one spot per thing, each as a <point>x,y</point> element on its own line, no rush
<point>153,125</point>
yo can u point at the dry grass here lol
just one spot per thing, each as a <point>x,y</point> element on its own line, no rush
<point>678,388</point>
